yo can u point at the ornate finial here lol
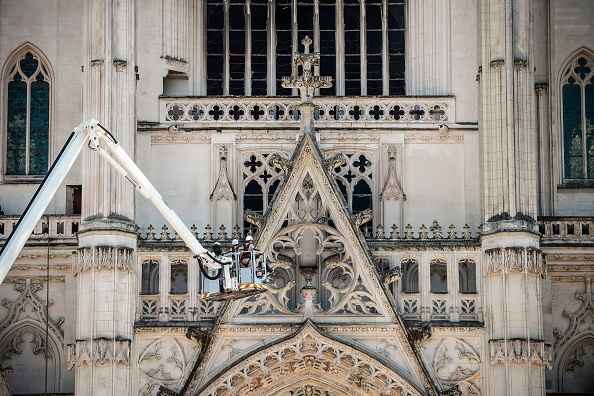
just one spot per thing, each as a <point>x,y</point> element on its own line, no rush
<point>306,83</point>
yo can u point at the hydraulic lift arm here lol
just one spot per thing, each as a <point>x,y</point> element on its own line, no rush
<point>100,140</point>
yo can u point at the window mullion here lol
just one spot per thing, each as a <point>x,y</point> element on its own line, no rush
<point>271,49</point>
<point>226,49</point>
<point>385,52</point>
<point>339,80</point>
<point>28,129</point>
<point>248,50</point>
<point>294,42</point>
<point>584,135</point>
<point>316,37</point>
<point>363,53</point>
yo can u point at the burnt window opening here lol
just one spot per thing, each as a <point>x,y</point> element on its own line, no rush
<point>410,276</point>
<point>467,276</point>
<point>150,277</point>
<point>179,277</point>
<point>438,273</point>
<point>249,45</point>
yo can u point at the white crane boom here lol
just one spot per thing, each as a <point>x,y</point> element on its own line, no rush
<point>100,140</point>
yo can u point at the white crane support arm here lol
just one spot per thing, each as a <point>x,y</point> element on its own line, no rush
<point>93,134</point>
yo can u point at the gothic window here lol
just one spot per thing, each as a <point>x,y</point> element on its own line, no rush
<point>438,273</point>
<point>467,276</point>
<point>260,182</point>
<point>179,277</point>
<point>249,45</point>
<point>27,116</point>
<point>578,118</point>
<point>355,181</point>
<point>150,277</point>
<point>410,276</point>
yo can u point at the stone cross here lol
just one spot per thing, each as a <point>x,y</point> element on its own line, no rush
<point>306,83</point>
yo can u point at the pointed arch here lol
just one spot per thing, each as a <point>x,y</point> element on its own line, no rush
<point>576,104</point>
<point>309,357</point>
<point>26,103</point>
<point>577,358</point>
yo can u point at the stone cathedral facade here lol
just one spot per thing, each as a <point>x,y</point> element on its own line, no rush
<point>419,173</point>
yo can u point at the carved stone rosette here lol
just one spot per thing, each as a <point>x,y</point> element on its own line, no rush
<point>533,352</point>
<point>515,258</point>
<point>98,351</point>
<point>102,257</point>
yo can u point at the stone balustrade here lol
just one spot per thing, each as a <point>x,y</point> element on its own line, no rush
<point>552,228</point>
<point>331,110</point>
<point>58,226</point>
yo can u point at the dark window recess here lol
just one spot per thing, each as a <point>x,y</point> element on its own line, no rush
<point>253,199</point>
<point>214,47</point>
<point>73,200</point>
<point>150,277</point>
<point>179,278</point>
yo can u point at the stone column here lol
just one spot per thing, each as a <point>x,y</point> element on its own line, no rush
<point>105,260</point>
<point>510,241</point>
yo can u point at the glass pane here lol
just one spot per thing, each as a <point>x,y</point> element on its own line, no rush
<point>16,141</point>
<point>29,64</point>
<point>214,47</point>
<point>589,96</point>
<point>39,124</point>
<point>572,132</point>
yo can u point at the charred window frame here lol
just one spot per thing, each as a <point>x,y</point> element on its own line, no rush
<point>250,45</point>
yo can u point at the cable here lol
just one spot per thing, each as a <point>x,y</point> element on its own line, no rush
<point>205,272</point>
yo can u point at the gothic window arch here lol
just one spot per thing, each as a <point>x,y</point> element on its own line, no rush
<point>438,273</point>
<point>467,276</point>
<point>575,366</point>
<point>249,45</point>
<point>150,277</point>
<point>179,276</point>
<point>410,276</point>
<point>577,97</point>
<point>260,181</point>
<point>27,91</point>
<point>355,180</point>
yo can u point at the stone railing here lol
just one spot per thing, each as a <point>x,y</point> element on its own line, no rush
<point>223,234</point>
<point>58,226</point>
<point>552,228</point>
<point>331,110</point>
<point>450,307</point>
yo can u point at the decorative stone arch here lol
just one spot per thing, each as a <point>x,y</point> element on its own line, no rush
<point>14,57</point>
<point>578,354</point>
<point>572,58</point>
<point>309,358</point>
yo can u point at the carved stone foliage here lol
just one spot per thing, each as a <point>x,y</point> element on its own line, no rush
<point>520,350</point>
<point>515,259</point>
<point>162,363</point>
<point>457,367</point>
<point>100,351</point>
<point>102,257</point>
<point>307,390</point>
<point>579,331</point>
<point>26,323</point>
<point>309,353</point>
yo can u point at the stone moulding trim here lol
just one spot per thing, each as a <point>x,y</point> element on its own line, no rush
<point>102,257</point>
<point>520,351</point>
<point>515,259</point>
<point>98,351</point>
<point>308,352</point>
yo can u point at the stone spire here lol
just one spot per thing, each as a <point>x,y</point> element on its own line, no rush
<point>307,83</point>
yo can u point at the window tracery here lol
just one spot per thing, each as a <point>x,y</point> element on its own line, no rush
<point>260,181</point>
<point>249,45</point>
<point>28,114</point>
<point>578,118</point>
<point>355,180</point>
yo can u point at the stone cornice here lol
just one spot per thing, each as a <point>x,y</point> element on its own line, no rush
<point>520,350</point>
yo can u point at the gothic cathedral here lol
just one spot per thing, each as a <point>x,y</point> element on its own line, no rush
<point>412,180</point>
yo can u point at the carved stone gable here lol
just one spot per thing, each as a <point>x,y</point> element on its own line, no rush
<point>321,264</point>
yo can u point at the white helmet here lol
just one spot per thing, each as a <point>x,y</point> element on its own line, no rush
<point>216,244</point>
<point>249,238</point>
<point>235,242</point>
